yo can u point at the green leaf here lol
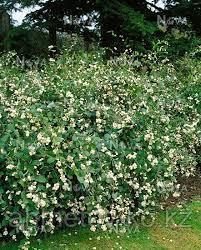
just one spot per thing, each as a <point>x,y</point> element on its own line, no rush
<point>50,160</point>
<point>40,178</point>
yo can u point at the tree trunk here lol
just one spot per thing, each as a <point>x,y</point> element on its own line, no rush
<point>52,38</point>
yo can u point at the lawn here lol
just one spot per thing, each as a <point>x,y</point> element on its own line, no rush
<point>175,228</point>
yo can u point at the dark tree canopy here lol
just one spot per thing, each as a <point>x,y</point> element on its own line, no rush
<point>123,17</point>
<point>191,9</point>
<point>116,23</point>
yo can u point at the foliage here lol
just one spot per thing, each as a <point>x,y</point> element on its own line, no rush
<point>190,9</point>
<point>134,19</point>
<point>124,24</point>
<point>94,140</point>
<point>27,42</point>
<point>177,44</point>
<point>181,43</point>
<point>115,24</point>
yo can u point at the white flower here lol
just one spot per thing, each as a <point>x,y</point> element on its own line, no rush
<point>104,228</point>
<point>93,228</point>
<point>143,203</point>
<point>154,162</point>
<point>136,186</point>
<point>166,138</point>
<point>5,233</point>
<point>133,166</point>
<point>150,157</point>
<point>27,133</point>
<point>42,203</point>
<point>10,167</point>
<point>50,47</point>
<point>131,156</point>
<point>56,186</point>
<point>14,237</point>
<point>32,150</point>
<point>70,158</point>
<point>39,110</point>
<point>52,60</point>
<point>176,194</point>
<point>58,163</point>
<point>92,151</point>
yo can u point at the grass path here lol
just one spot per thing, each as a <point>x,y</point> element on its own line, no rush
<point>177,228</point>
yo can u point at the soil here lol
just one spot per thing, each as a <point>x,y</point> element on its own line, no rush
<point>190,190</point>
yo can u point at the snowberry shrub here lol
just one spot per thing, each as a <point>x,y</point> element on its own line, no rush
<point>82,137</point>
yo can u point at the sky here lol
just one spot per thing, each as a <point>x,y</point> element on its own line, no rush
<point>20,15</point>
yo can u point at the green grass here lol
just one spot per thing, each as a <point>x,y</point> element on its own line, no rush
<point>177,228</point>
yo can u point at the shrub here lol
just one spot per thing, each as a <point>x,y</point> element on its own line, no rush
<point>83,137</point>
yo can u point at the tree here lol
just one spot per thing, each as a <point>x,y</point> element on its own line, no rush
<point>119,22</point>
<point>126,22</point>
<point>190,9</point>
<point>57,15</point>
